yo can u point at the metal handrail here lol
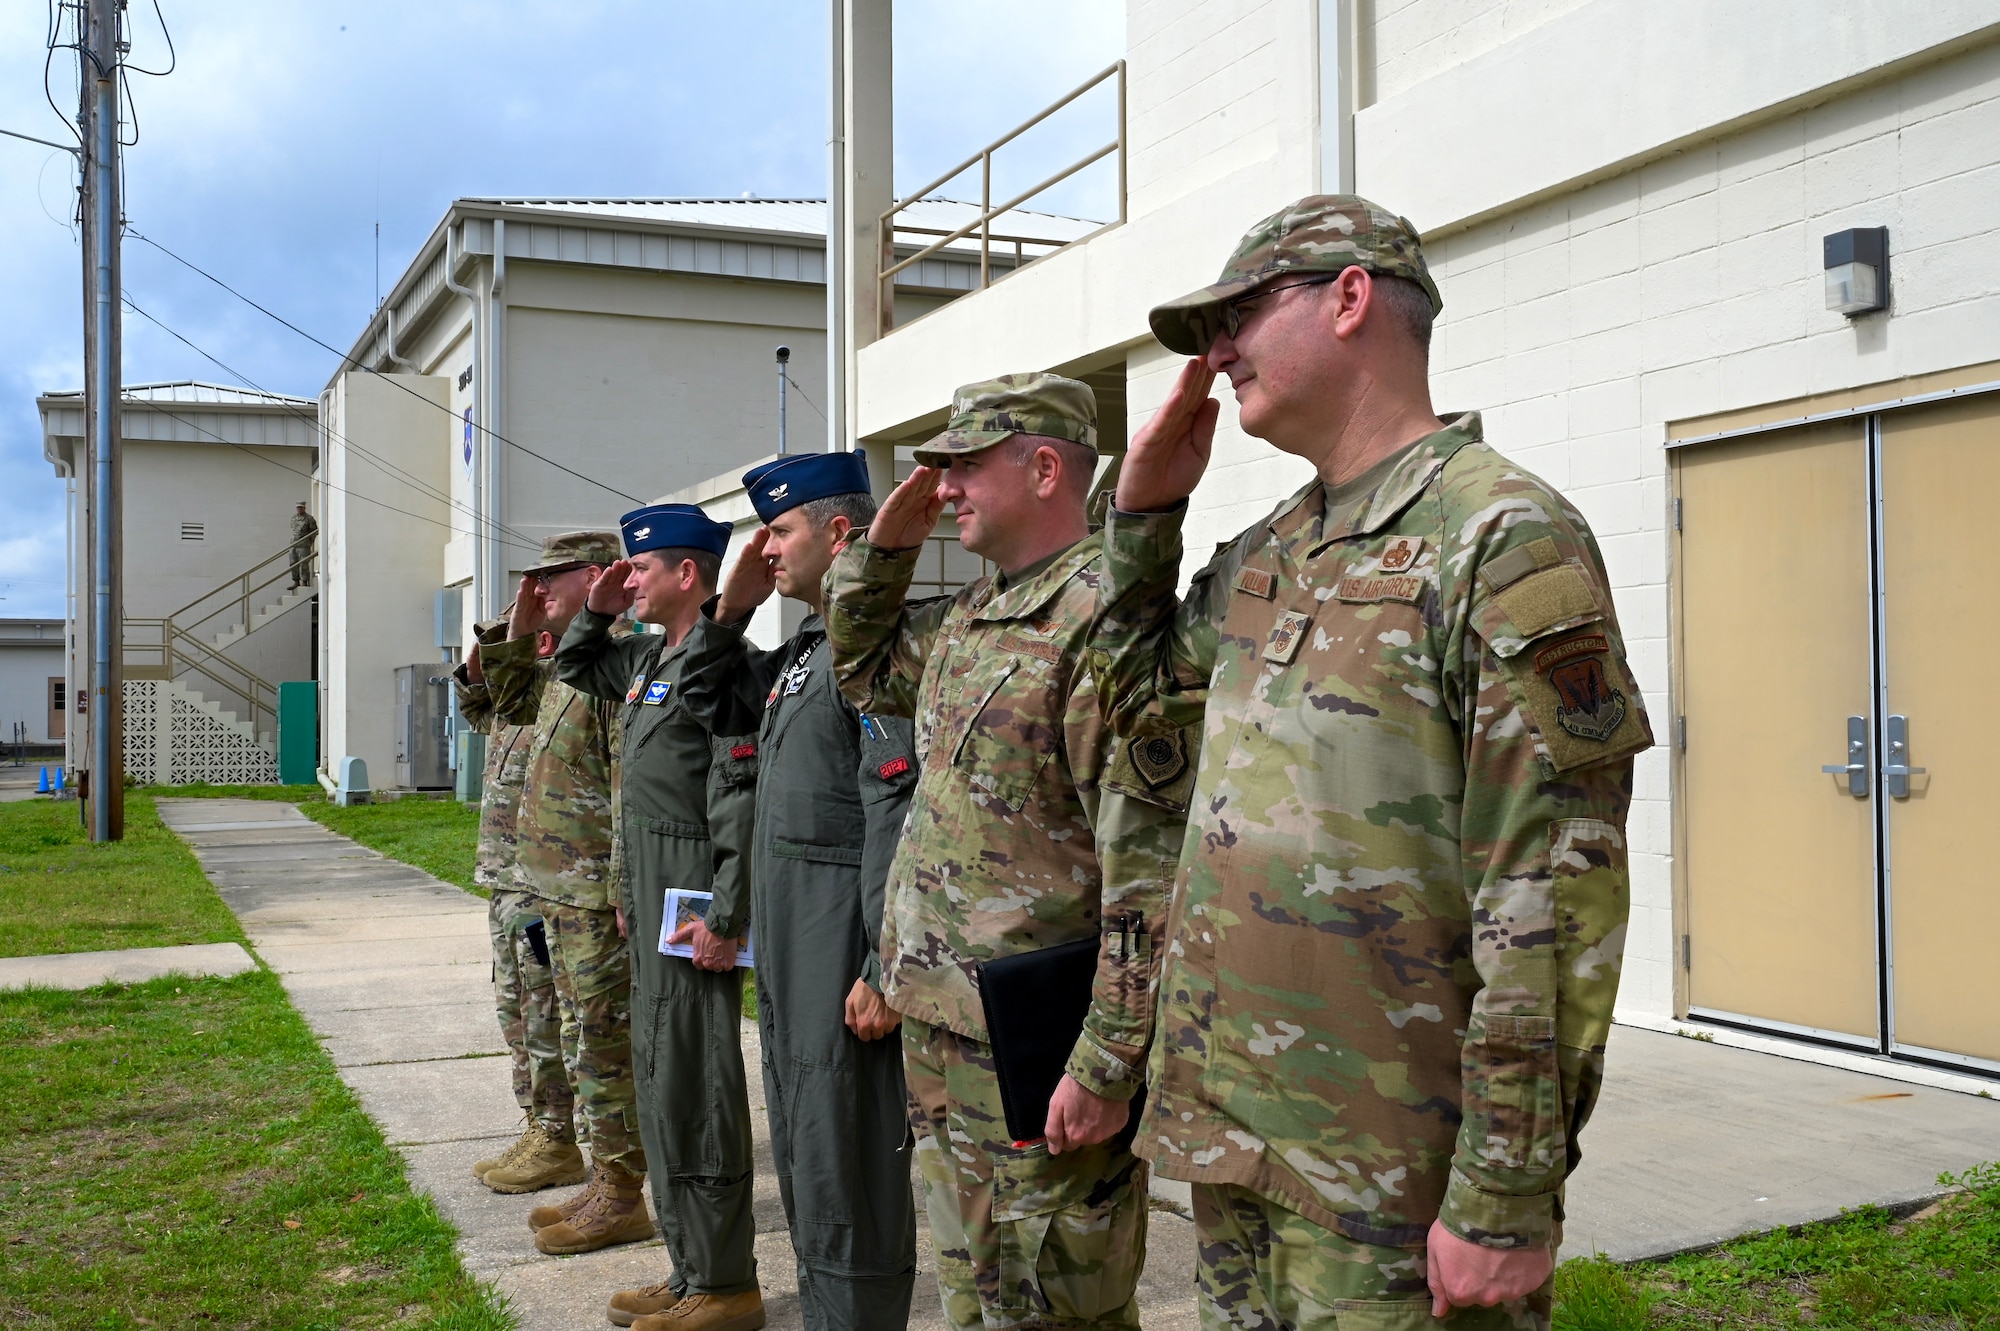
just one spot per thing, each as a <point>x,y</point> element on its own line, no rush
<point>240,601</point>
<point>178,648</point>
<point>886,229</point>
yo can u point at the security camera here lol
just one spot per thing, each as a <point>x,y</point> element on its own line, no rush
<point>784,354</point>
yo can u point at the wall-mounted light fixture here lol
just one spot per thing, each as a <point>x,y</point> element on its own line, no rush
<point>1857,270</point>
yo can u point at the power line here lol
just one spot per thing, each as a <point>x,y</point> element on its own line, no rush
<point>423,487</point>
<point>350,363</point>
<point>802,393</point>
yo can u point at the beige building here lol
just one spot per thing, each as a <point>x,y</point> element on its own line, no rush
<point>34,684</point>
<point>544,365</point>
<point>211,477</point>
<point>1631,210</point>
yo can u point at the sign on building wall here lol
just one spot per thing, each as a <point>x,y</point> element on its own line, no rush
<point>468,443</point>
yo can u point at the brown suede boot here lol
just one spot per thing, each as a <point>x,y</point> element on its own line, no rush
<point>544,1163</point>
<point>530,1134</point>
<point>543,1216</point>
<point>629,1305</point>
<point>709,1312</point>
<point>615,1214</point>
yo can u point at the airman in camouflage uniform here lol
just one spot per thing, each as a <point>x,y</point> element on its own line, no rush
<point>1400,912</point>
<point>1026,831</point>
<point>563,859</point>
<point>524,994</point>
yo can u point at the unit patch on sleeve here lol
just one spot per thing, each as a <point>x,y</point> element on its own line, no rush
<point>743,751</point>
<point>657,691</point>
<point>1587,706</point>
<point>1286,635</point>
<point>894,767</point>
<point>1582,698</point>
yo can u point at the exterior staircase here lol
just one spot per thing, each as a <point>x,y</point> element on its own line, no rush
<point>194,711</point>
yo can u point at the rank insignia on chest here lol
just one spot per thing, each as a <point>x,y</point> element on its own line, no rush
<point>657,691</point>
<point>638,685</point>
<point>1286,635</point>
<point>1160,759</point>
<point>1401,553</point>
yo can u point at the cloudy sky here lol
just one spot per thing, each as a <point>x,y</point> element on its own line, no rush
<point>289,127</point>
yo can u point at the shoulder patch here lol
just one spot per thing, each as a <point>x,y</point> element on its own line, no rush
<point>894,767</point>
<point>743,750</point>
<point>1504,570</point>
<point>1547,599</point>
<point>1156,768</point>
<point>1583,701</point>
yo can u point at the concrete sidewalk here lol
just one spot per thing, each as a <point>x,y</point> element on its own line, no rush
<point>1693,1142</point>
<point>390,968</point>
<point>131,965</point>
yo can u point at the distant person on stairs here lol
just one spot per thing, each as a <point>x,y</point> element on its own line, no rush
<point>305,533</point>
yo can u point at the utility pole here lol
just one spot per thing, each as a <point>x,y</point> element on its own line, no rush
<point>103,364</point>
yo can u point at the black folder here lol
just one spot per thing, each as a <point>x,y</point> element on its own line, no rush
<point>1035,1005</point>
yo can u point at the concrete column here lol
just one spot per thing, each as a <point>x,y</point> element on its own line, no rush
<point>860,188</point>
<point>1339,76</point>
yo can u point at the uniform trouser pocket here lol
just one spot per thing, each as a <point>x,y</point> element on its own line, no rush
<point>848,1137</point>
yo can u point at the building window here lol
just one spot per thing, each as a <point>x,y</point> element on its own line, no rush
<point>194,531</point>
<point>58,700</point>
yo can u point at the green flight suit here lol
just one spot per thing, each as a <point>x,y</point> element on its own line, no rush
<point>685,808</point>
<point>832,786</point>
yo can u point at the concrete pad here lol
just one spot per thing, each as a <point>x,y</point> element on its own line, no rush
<point>270,834</point>
<point>86,970</point>
<point>451,1100</point>
<point>368,928</point>
<point>191,813</point>
<point>303,958</point>
<point>392,990</point>
<point>411,1035</point>
<point>1695,1143</point>
<point>317,849</point>
<point>198,831</point>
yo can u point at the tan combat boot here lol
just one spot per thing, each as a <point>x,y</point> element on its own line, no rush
<point>709,1312</point>
<point>543,1216</point>
<point>616,1213</point>
<point>544,1163</point>
<point>530,1134</point>
<point>629,1305</point>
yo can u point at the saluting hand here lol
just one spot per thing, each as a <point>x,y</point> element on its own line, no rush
<point>609,595</point>
<point>1170,452</point>
<point>530,612</point>
<point>910,514</point>
<point>752,579</point>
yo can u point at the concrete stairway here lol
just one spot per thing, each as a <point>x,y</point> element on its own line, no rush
<point>236,633</point>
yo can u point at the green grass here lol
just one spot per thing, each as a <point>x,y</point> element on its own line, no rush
<point>59,893</point>
<point>181,1153</point>
<point>1936,1271</point>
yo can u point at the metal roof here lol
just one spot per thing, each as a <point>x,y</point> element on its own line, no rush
<point>799,216</point>
<point>188,392</point>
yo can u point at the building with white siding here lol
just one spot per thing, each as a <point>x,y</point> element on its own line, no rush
<point>1627,207</point>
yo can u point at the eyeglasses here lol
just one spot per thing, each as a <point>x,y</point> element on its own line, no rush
<point>1232,309</point>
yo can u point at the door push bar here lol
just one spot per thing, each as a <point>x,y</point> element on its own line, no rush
<point>1896,773</point>
<point>1856,766</point>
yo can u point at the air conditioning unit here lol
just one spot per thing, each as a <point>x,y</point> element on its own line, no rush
<point>423,747</point>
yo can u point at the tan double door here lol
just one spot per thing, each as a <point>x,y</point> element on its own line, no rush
<point>1836,609</point>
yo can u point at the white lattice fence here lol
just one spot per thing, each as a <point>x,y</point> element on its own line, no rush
<point>173,738</point>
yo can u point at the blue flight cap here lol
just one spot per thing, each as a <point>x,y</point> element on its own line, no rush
<point>788,482</point>
<point>672,526</point>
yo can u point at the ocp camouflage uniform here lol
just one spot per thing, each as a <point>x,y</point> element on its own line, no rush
<point>1400,914</point>
<point>563,860</point>
<point>1024,833</point>
<point>524,994</point>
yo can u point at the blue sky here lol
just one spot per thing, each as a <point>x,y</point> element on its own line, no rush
<point>290,127</point>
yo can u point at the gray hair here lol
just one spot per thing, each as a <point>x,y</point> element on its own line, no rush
<point>858,508</point>
<point>1406,303</point>
<point>1079,461</point>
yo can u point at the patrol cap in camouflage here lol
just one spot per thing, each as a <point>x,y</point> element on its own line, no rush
<point>983,414</point>
<point>1321,233</point>
<point>574,549</point>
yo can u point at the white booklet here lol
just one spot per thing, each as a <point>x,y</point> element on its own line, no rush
<point>683,906</point>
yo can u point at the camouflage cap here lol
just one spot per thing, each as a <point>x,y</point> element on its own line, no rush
<point>1321,233</point>
<point>983,414</point>
<point>573,549</point>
